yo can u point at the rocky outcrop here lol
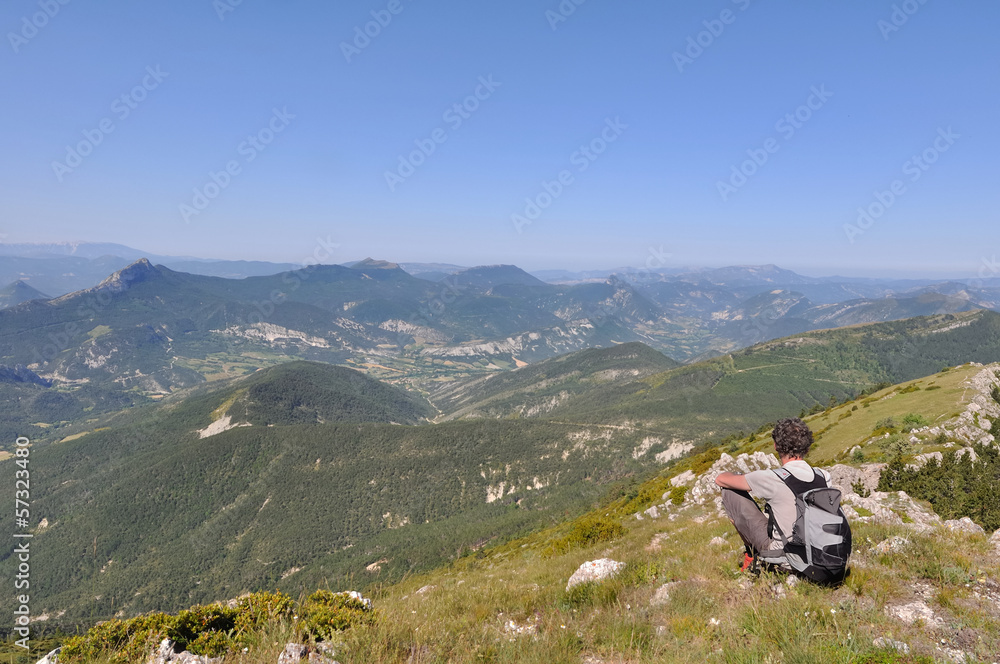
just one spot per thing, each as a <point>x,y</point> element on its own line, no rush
<point>846,478</point>
<point>964,525</point>
<point>595,570</point>
<point>51,658</point>
<point>167,654</point>
<point>889,507</point>
<point>294,653</point>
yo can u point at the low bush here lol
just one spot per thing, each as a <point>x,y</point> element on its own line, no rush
<point>213,630</point>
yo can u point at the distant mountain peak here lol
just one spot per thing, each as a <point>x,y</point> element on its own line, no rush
<point>375,264</point>
<point>137,272</point>
<point>488,276</point>
<point>18,292</point>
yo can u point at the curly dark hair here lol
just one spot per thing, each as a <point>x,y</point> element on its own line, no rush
<point>792,438</point>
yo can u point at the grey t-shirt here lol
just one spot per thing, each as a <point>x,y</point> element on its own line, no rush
<point>767,485</point>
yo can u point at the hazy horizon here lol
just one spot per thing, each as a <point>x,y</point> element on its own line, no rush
<point>806,271</point>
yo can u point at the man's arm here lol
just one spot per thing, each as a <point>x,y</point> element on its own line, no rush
<point>732,481</point>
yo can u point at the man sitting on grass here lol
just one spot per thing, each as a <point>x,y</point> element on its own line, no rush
<point>792,439</point>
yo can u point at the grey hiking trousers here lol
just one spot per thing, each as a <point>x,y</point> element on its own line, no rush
<point>750,522</point>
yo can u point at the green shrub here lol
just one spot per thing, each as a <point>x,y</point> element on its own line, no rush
<point>211,644</point>
<point>639,574</point>
<point>678,492</point>
<point>885,425</point>
<point>594,529</point>
<point>118,641</point>
<point>211,630</point>
<point>325,613</point>
<point>257,609</point>
<point>913,421</point>
<point>189,625</point>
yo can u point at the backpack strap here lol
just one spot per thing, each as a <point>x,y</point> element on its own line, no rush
<point>797,487</point>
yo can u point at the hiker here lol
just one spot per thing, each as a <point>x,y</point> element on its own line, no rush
<point>792,439</point>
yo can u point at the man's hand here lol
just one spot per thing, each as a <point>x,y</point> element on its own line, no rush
<point>732,481</point>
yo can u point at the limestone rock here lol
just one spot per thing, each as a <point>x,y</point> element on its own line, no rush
<point>167,653</point>
<point>595,570</point>
<point>51,658</point>
<point>914,611</point>
<point>894,544</point>
<point>995,541</point>
<point>705,489</point>
<point>845,477</point>
<point>889,507</point>
<point>683,479</point>
<point>514,629</point>
<point>718,541</point>
<point>889,644</point>
<point>365,602</point>
<point>662,595</point>
<point>964,525</point>
<point>920,460</point>
<point>294,653</point>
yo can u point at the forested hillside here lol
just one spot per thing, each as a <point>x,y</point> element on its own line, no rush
<point>308,472</point>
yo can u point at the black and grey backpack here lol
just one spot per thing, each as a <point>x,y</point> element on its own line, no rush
<point>821,538</point>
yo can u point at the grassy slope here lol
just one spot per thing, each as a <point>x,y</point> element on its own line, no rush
<point>509,604</point>
<point>842,431</point>
<point>713,613</point>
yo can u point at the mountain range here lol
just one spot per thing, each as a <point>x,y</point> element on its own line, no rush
<point>305,473</point>
<point>146,330</point>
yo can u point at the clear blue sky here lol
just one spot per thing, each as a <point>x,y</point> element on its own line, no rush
<point>656,184</point>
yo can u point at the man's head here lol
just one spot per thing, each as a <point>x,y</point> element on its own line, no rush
<point>792,438</point>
